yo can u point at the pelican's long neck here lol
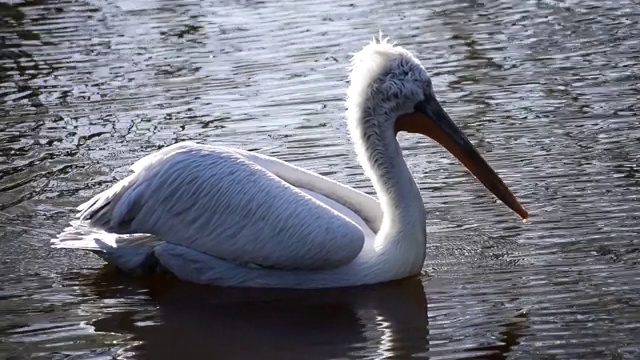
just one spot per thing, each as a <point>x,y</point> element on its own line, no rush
<point>403,224</point>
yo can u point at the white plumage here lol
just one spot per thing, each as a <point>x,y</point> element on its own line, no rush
<point>229,217</point>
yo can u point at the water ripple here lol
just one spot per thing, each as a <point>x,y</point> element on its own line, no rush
<point>547,90</point>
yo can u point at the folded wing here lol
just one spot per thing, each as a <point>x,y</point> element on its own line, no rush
<point>216,201</point>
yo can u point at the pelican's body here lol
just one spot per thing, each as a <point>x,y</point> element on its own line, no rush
<point>229,217</point>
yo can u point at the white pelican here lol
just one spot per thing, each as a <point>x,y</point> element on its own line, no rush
<point>228,217</point>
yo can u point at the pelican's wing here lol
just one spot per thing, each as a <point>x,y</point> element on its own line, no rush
<point>219,202</point>
<point>360,207</point>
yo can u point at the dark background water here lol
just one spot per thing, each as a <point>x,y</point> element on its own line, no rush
<point>548,90</point>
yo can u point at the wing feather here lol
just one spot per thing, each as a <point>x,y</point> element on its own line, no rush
<point>216,201</point>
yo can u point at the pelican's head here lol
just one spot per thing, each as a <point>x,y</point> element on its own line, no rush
<point>390,91</point>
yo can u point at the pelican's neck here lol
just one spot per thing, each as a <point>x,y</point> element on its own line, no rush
<point>392,180</point>
<point>403,224</point>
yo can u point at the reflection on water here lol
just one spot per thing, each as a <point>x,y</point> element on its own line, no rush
<point>547,90</point>
<point>203,322</point>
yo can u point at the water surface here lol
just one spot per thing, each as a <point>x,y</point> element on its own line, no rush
<point>547,90</point>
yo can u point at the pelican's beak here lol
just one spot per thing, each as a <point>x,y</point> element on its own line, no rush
<point>431,120</point>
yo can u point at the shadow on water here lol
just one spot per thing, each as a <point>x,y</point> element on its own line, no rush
<point>197,322</point>
<point>203,322</point>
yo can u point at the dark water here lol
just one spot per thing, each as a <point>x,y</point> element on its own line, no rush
<point>548,90</point>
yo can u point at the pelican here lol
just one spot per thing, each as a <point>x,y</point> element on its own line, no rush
<point>228,217</point>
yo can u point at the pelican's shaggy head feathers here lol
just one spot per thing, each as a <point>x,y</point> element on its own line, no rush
<point>387,77</point>
<point>386,81</point>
